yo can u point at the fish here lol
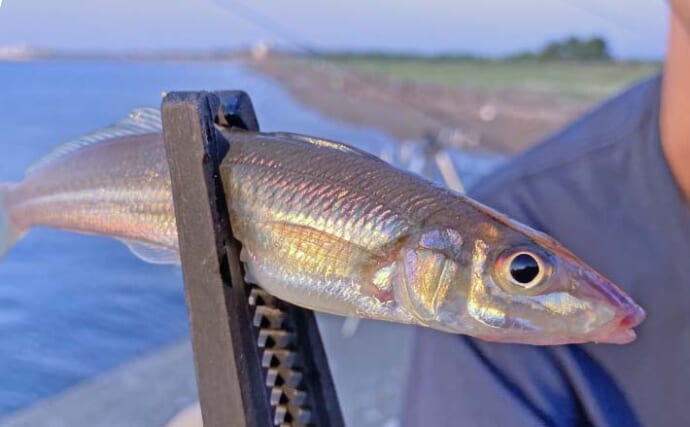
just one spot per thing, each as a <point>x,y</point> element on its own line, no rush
<point>335,229</point>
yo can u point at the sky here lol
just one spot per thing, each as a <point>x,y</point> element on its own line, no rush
<point>634,28</point>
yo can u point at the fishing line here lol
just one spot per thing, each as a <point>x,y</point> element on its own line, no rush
<point>607,15</point>
<point>268,24</point>
<point>264,22</point>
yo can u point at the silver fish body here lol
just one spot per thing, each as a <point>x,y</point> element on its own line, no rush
<point>113,182</point>
<point>344,232</point>
<point>78,193</point>
<point>326,226</point>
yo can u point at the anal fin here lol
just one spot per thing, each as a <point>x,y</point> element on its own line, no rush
<point>152,253</point>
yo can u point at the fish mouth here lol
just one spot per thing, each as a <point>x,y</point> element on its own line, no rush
<point>620,330</point>
<point>627,313</point>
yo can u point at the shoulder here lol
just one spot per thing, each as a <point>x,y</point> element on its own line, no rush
<point>588,152</point>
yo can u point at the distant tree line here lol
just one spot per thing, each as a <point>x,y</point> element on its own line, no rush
<point>570,49</point>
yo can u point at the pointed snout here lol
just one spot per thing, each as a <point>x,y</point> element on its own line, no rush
<point>627,314</point>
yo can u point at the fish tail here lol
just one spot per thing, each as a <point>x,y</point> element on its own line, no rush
<point>9,233</point>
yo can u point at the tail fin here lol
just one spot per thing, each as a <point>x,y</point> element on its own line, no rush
<point>9,234</point>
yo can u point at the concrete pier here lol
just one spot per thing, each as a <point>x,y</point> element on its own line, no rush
<point>368,360</point>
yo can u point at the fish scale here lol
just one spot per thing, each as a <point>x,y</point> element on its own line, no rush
<point>316,201</point>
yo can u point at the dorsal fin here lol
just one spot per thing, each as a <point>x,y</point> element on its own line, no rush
<point>323,143</point>
<point>138,122</point>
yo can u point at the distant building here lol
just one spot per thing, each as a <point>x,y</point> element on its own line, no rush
<point>21,53</point>
<point>260,50</point>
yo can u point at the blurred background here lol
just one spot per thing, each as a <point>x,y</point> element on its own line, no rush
<point>89,335</point>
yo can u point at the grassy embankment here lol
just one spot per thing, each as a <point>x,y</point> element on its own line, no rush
<point>579,81</point>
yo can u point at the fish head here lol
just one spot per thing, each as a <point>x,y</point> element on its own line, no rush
<point>505,282</point>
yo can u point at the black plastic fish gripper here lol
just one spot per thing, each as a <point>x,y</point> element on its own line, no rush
<point>259,360</point>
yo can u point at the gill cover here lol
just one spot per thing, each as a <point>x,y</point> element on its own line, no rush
<point>427,269</point>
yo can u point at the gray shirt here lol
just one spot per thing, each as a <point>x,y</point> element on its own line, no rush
<point>601,187</point>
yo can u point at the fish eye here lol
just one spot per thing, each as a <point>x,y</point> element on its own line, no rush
<point>524,268</point>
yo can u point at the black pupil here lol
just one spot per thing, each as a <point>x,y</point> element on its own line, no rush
<point>524,268</point>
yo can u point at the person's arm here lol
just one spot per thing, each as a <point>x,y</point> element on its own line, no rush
<point>675,104</point>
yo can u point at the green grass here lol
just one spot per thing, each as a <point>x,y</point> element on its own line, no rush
<point>570,80</point>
